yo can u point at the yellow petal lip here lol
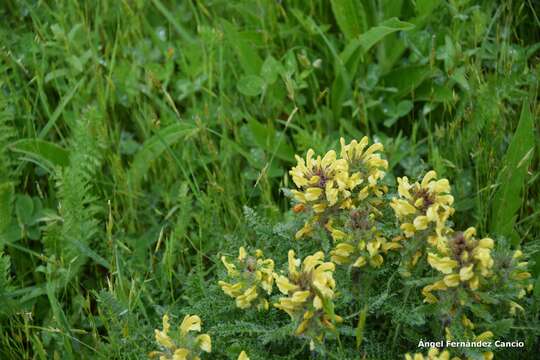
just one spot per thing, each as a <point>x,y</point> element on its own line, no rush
<point>444,264</point>
<point>452,280</point>
<point>243,356</point>
<point>284,285</point>
<point>466,273</point>
<point>242,253</point>
<point>180,354</point>
<point>190,323</point>
<point>313,193</point>
<point>430,175</point>
<point>205,342</point>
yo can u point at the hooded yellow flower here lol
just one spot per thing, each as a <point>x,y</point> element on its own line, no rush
<point>366,167</point>
<point>321,182</point>
<point>462,260</point>
<point>252,277</point>
<point>182,345</point>
<point>420,205</point>
<point>433,354</point>
<point>243,356</point>
<point>308,285</point>
<point>358,241</point>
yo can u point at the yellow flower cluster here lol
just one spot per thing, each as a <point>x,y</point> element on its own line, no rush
<point>462,260</point>
<point>367,168</point>
<point>252,275</point>
<point>323,182</point>
<point>307,286</point>
<point>423,204</point>
<point>521,277</point>
<point>184,345</point>
<point>358,241</point>
<point>436,354</point>
<point>332,183</point>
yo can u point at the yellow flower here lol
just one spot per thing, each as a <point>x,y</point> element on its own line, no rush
<point>358,241</point>
<point>515,306</point>
<point>162,337</point>
<point>437,286</point>
<point>366,167</point>
<point>204,342</point>
<point>433,354</point>
<point>420,205</point>
<point>443,264</point>
<point>467,322</point>
<point>243,356</point>
<point>485,336</point>
<point>321,182</point>
<point>192,345</point>
<point>307,286</point>
<point>462,259</point>
<point>253,277</point>
<point>190,323</point>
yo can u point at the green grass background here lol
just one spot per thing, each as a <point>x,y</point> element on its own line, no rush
<point>133,133</point>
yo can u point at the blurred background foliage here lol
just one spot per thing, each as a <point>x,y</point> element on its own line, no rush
<point>133,132</point>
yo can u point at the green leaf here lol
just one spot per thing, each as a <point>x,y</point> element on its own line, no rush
<point>359,332</point>
<point>350,16</point>
<point>154,147</point>
<point>271,69</point>
<point>368,39</point>
<point>6,203</point>
<point>245,50</point>
<point>347,63</point>
<point>511,179</point>
<point>44,153</point>
<point>250,85</point>
<point>24,208</point>
<point>406,79</point>
<point>267,139</point>
<point>425,7</point>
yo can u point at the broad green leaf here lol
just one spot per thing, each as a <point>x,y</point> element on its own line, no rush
<point>406,79</point>
<point>374,35</point>
<point>24,208</point>
<point>267,139</point>
<point>271,69</point>
<point>511,179</point>
<point>350,17</point>
<point>250,85</point>
<point>347,64</point>
<point>429,91</point>
<point>245,51</point>
<point>377,33</point>
<point>45,153</point>
<point>425,7</point>
<point>154,147</point>
<point>391,8</point>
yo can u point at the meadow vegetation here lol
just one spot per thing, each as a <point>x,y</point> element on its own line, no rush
<point>147,154</point>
